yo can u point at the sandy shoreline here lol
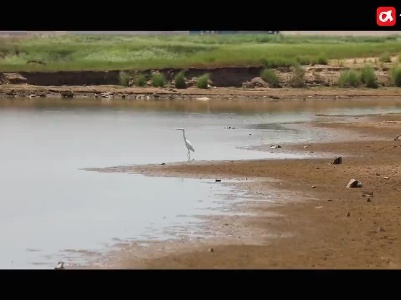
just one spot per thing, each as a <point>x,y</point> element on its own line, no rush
<point>316,223</point>
<point>71,93</point>
<point>307,225</point>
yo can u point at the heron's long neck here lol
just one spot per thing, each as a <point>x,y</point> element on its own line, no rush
<point>183,134</point>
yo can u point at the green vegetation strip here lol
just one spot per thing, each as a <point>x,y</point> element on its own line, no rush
<point>113,52</point>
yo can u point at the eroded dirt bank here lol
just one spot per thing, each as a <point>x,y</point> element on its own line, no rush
<point>317,81</point>
<point>337,227</point>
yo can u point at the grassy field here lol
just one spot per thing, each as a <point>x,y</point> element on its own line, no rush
<point>102,52</point>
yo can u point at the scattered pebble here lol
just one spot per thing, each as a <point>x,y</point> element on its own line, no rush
<point>385,177</point>
<point>275,146</point>
<point>338,160</point>
<point>353,183</point>
<point>211,250</point>
<point>368,200</point>
<point>348,214</point>
<point>367,194</point>
<point>380,229</point>
<point>313,186</point>
<point>218,180</point>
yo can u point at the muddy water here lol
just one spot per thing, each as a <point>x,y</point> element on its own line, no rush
<point>51,209</point>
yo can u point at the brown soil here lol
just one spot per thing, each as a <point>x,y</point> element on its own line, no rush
<point>247,76</point>
<point>119,93</point>
<point>320,82</point>
<point>321,223</point>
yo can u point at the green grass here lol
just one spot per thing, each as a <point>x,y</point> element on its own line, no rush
<point>396,76</point>
<point>298,77</point>
<point>385,58</point>
<point>203,81</point>
<point>179,80</point>
<point>349,78</point>
<point>124,78</point>
<point>355,78</point>
<point>113,52</point>
<point>140,80</point>
<point>158,80</point>
<point>368,77</point>
<point>270,77</point>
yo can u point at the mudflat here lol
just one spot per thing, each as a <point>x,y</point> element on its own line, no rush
<point>317,221</point>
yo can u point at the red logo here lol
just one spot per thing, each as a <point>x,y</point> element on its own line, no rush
<point>385,16</point>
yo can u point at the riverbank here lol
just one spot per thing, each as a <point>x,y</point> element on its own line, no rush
<point>113,93</point>
<point>317,221</point>
<point>316,82</point>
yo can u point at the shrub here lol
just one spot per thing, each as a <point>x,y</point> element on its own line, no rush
<point>124,78</point>
<point>322,59</point>
<point>349,78</point>
<point>158,80</point>
<point>270,76</point>
<point>385,58</point>
<point>304,60</point>
<point>179,80</point>
<point>140,80</point>
<point>396,76</point>
<point>368,77</point>
<point>297,80</point>
<point>203,81</point>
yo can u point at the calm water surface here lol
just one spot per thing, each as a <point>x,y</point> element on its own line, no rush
<point>50,207</point>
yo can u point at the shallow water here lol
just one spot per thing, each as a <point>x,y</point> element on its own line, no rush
<point>50,208</point>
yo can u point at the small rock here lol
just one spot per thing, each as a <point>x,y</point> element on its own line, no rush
<point>313,186</point>
<point>360,219</point>
<point>377,174</point>
<point>329,200</point>
<point>353,183</point>
<point>106,95</point>
<point>367,194</point>
<point>211,250</point>
<point>306,146</point>
<point>348,214</point>
<point>338,160</point>
<point>380,229</point>
<point>275,146</point>
<point>203,99</point>
<point>398,138</point>
<point>385,177</point>
<point>163,164</point>
<point>67,94</point>
<point>218,180</point>
<point>368,200</point>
